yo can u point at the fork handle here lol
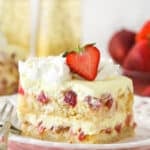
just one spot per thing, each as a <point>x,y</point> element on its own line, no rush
<point>13,129</point>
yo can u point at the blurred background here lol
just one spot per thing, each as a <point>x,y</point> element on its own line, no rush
<point>50,27</point>
<point>65,23</point>
<point>102,18</point>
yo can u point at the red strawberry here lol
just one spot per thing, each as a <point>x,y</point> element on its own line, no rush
<point>70,98</point>
<point>146,91</point>
<point>144,33</point>
<point>41,128</point>
<point>42,98</point>
<point>118,128</point>
<point>139,57</point>
<point>120,44</point>
<point>128,119</point>
<point>85,62</point>
<point>20,90</point>
<point>81,136</point>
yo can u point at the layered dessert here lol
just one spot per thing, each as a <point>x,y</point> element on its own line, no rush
<point>78,98</point>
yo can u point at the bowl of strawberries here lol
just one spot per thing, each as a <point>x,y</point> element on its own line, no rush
<point>132,51</point>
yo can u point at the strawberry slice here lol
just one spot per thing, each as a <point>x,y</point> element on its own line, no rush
<point>84,62</point>
<point>144,33</point>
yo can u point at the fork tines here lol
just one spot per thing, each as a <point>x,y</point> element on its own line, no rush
<point>6,112</point>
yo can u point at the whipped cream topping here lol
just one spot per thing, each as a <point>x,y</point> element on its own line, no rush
<point>42,72</point>
<point>107,69</point>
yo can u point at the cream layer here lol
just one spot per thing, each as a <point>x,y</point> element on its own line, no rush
<point>87,126</point>
<point>80,87</point>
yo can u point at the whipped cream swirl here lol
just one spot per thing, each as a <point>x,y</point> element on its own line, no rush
<point>107,69</point>
<point>53,69</point>
<point>42,72</point>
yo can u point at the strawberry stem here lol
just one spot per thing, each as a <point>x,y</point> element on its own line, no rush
<point>78,49</point>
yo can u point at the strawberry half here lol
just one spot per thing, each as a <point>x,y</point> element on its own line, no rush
<point>84,62</point>
<point>144,33</point>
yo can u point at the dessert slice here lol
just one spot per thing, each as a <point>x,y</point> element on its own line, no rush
<point>55,105</point>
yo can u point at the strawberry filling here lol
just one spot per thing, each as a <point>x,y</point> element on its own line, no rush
<point>109,103</point>
<point>128,120</point>
<point>94,103</point>
<point>42,98</point>
<point>105,100</point>
<point>118,128</point>
<point>108,131</point>
<point>20,90</point>
<point>70,98</point>
<point>81,136</point>
<point>41,128</point>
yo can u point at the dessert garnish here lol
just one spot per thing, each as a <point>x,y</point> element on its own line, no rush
<point>84,61</point>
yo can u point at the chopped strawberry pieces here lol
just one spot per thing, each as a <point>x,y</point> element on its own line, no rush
<point>108,130</point>
<point>43,98</point>
<point>20,90</point>
<point>134,125</point>
<point>128,120</point>
<point>118,128</point>
<point>109,103</point>
<point>41,128</point>
<point>81,136</point>
<point>94,103</point>
<point>70,98</point>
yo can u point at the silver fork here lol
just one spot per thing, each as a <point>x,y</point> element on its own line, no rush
<point>5,123</point>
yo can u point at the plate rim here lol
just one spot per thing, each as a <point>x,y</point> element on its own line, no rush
<point>38,142</point>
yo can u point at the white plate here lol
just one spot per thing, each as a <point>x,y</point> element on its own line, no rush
<point>140,141</point>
